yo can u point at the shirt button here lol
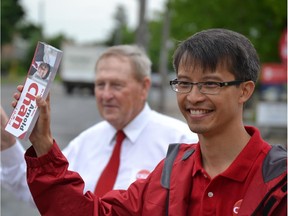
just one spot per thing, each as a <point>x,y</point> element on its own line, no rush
<point>210,194</point>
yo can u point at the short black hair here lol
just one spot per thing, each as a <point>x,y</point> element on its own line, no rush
<point>211,48</point>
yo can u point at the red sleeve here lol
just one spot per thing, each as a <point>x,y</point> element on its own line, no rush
<point>58,191</point>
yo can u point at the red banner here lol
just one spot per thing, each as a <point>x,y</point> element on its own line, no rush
<point>273,73</point>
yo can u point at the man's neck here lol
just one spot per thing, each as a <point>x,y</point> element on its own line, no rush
<point>219,151</point>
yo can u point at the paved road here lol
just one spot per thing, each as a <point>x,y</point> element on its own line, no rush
<point>70,115</point>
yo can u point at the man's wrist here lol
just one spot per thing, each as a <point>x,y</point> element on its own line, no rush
<point>7,142</point>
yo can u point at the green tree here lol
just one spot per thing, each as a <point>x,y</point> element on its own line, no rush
<point>11,14</point>
<point>120,34</point>
<point>121,20</point>
<point>261,21</point>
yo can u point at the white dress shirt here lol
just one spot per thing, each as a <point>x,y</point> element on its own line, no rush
<point>146,143</point>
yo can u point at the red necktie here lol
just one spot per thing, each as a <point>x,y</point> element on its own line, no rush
<point>109,174</point>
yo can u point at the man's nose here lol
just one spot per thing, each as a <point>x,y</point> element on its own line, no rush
<point>107,92</point>
<point>195,95</point>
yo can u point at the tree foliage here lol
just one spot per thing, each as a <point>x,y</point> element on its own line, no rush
<point>11,14</point>
<point>261,21</point>
<point>120,34</point>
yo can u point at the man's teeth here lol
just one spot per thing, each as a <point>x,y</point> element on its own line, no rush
<point>198,112</point>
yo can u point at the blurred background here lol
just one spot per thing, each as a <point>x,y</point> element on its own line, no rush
<point>83,29</point>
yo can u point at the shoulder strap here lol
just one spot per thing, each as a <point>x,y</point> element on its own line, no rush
<point>275,163</point>
<point>170,157</point>
<point>165,178</point>
<point>172,152</point>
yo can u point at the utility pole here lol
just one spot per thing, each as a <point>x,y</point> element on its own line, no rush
<point>142,31</point>
<point>41,17</point>
<point>121,22</point>
<point>163,66</point>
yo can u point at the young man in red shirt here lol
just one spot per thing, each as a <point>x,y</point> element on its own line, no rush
<point>230,171</point>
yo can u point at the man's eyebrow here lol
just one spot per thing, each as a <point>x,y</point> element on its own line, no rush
<point>183,77</point>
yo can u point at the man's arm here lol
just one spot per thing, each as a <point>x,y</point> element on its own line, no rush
<point>7,139</point>
<point>58,191</point>
<point>41,136</point>
<point>13,166</point>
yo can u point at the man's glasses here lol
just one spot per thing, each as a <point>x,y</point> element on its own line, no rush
<point>211,88</point>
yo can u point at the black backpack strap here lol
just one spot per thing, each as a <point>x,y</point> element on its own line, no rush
<point>167,169</point>
<point>281,191</point>
<point>169,160</point>
<point>269,200</point>
<point>166,172</point>
<point>274,164</point>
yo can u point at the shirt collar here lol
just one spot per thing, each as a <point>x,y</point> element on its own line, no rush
<point>240,167</point>
<point>198,160</point>
<point>135,127</point>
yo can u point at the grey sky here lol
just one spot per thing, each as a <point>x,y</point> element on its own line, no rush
<point>83,20</point>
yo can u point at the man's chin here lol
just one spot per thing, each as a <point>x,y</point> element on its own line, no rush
<point>110,117</point>
<point>110,111</point>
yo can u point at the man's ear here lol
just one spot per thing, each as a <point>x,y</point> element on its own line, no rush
<point>147,83</point>
<point>146,86</point>
<point>247,89</point>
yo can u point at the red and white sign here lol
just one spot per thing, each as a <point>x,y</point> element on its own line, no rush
<point>38,83</point>
<point>273,73</point>
<point>25,113</point>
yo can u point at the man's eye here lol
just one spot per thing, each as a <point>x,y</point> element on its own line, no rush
<point>99,85</point>
<point>117,86</point>
<point>210,84</point>
<point>183,84</point>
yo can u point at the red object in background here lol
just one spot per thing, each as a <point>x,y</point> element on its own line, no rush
<point>273,73</point>
<point>283,47</point>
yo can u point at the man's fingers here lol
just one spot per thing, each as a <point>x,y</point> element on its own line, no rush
<point>41,137</point>
<point>48,101</point>
<point>40,101</point>
<point>43,105</point>
<point>17,95</point>
<point>20,88</point>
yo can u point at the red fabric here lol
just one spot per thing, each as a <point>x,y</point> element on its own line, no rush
<point>109,174</point>
<point>211,194</point>
<point>58,191</point>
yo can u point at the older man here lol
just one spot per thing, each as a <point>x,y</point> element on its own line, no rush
<point>122,85</point>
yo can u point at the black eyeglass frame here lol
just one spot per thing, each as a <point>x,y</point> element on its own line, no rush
<point>200,84</point>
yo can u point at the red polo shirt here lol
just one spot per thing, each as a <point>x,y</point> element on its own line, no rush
<point>223,194</point>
